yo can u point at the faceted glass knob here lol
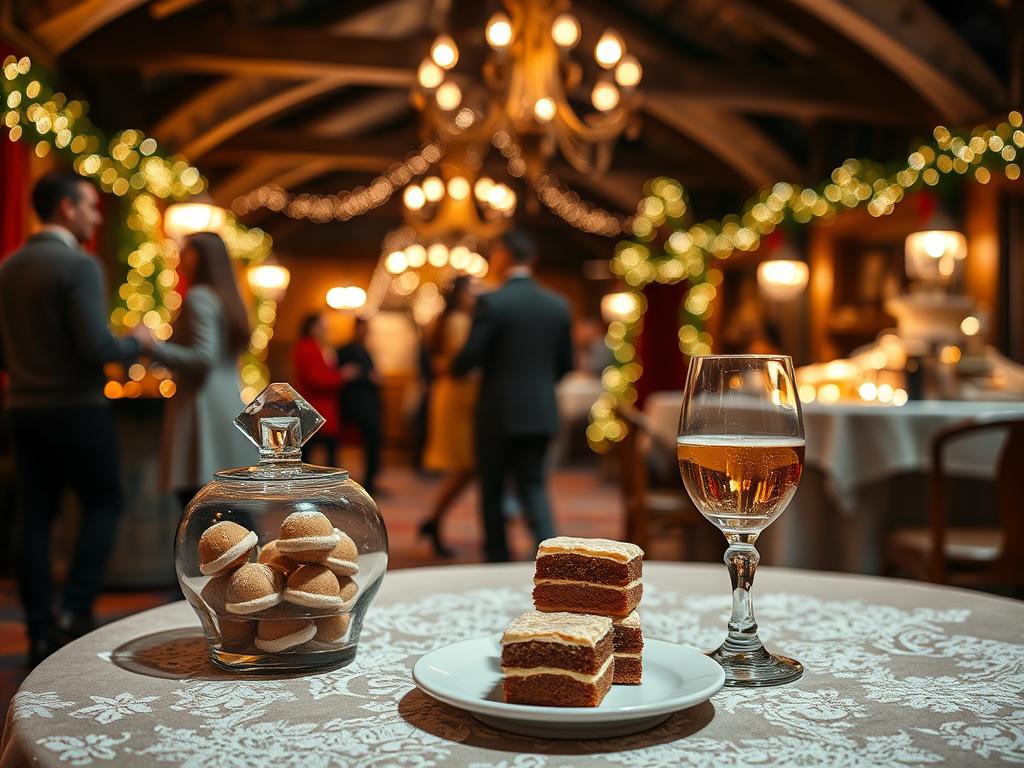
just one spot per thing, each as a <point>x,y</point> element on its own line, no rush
<point>279,422</point>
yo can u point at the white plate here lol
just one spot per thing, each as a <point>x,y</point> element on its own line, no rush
<point>468,675</point>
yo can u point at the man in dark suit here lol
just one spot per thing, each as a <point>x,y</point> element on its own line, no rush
<point>521,340</point>
<point>54,341</point>
<point>360,401</point>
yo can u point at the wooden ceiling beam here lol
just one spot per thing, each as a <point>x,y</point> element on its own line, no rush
<point>916,44</point>
<point>372,154</point>
<point>294,53</point>
<point>61,30</point>
<point>734,140</point>
<point>232,106</point>
<point>276,52</point>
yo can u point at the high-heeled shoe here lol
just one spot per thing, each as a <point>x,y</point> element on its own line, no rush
<point>429,529</point>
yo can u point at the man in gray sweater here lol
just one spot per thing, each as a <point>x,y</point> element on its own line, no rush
<point>54,341</point>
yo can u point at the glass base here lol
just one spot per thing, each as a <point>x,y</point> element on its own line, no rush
<point>756,668</point>
<point>283,663</point>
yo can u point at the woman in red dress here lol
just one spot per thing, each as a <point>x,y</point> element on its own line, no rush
<point>319,379</point>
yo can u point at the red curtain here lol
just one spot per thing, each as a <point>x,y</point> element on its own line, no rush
<point>14,183</point>
<point>658,345</point>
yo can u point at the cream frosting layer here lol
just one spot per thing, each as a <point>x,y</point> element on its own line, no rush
<point>532,671</point>
<point>254,605</point>
<point>619,551</point>
<point>287,641</point>
<point>313,600</point>
<point>624,588</point>
<point>628,655</point>
<point>557,627</point>
<point>343,567</point>
<point>307,543</point>
<point>633,620</point>
<point>214,567</point>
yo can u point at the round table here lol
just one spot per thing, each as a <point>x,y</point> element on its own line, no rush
<point>897,674</point>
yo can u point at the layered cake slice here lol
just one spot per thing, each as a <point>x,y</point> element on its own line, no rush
<point>557,659</point>
<point>597,576</point>
<point>628,644</point>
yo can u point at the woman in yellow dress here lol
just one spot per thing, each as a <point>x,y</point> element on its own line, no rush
<point>451,410</point>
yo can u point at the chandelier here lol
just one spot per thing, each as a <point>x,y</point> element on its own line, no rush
<point>532,78</point>
<point>458,204</point>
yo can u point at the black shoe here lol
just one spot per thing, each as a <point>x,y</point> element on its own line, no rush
<point>39,648</point>
<point>71,626</point>
<point>429,529</point>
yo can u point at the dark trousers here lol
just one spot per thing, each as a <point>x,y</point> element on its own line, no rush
<point>523,457</point>
<point>330,445</point>
<point>367,421</point>
<point>54,449</point>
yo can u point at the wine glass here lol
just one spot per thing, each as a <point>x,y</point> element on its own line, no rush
<point>741,453</point>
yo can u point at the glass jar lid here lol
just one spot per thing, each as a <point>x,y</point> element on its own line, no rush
<point>279,422</point>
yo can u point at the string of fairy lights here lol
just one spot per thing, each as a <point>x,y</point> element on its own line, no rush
<point>130,166</point>
<point>565,203</point>
<point>664,249</point>
<point>343,205</point>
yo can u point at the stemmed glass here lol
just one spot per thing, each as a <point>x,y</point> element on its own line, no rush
<point>741,453</point>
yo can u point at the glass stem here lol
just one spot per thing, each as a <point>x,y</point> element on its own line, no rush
<point>742,559</point>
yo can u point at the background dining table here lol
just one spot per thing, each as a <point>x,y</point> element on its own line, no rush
<point>864,466</point>
<point>898,674</point>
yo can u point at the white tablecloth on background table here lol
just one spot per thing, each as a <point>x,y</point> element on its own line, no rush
<point>575,395</point>
<point>858,444</point>
<point>898,674</point>
<point>855,448</point>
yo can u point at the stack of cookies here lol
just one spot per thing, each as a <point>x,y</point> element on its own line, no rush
<point>299,588</point>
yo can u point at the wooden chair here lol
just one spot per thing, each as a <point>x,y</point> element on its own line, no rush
<point>647,508</point>
<point>968,556</point>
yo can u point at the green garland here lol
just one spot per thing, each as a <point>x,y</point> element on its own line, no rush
<point>664,250</point>
<point>130,165</point>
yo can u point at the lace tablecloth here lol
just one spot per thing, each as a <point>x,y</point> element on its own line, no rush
<point>897,675</point>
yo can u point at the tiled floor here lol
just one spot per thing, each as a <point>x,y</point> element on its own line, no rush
<point>584,505</point>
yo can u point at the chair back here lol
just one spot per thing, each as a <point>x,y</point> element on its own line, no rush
<point>1009,501</point>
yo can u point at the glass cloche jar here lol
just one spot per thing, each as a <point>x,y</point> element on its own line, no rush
<point>281,559</point>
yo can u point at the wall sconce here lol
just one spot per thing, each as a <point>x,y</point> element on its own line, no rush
<point>184,219</point>
<point>346,297</point>
<point>268,279</point>
<point>622,306</point>
<point>934,256</point>
<point>782,279</point>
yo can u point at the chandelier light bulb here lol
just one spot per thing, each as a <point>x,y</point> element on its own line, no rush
<point>499,31</point>
<point>437,255</point>
<point>544,109</point>
<point>448,96</point>
<point>460,257</point>
<point>502,198</point>
<point>396,262</point>
<point>416,255</point>
<point>444,52</point>
<point>433,188</point>
<point>565,30</point>
<point>482,187</point>
<point>604,97</point>
<point>628,72</point>
<point>609,49</point>
<point>429,75</point>
<point>477,265</point>
<point>458,188</point>
<point>413,197</point>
